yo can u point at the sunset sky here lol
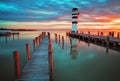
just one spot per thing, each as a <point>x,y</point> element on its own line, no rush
<point>56,14</point>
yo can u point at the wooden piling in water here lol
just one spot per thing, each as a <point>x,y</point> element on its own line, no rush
<point>118,34</point>
<point>48,35</point>
<point>51,63</point>
<point>59,39</point>
<point>28,51</point>
<point>34,44</point>
<point>36,40</point>
<point>56,37</point>
<point>39,38</point>
<point>63,39</point>
<point>17,63</point>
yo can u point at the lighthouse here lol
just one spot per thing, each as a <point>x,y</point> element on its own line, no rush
<point>75,14</point>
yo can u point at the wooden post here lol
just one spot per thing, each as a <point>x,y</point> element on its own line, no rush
<point>118,35</point>
<point>56,37</point>
<point>34,44</point>
<point>28,51</point>
<point>39,39</point>
<point>51,63</point>
<point>98,33</point>
<point>44,33</point>
<point>17,63</point>
<point>107,40</point>
<point>62,42</point>
<point>62,39</point>
<point>59,39</point>
<point>36,41</point>
<point>49,35</point>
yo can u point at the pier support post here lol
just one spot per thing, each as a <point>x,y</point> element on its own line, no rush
<point>107,43</point>
<point>17,63</point>
<point>49,35</point>
<point>62,39</point>
<point>62,42</point>
<point>28,51</point>
<point>59,39</point>
<point>51,60</point>
<point>39,39</point>
<point>36,40</point>
<point>118,35</point>
<point>34,44</point>
<point>55,37</point>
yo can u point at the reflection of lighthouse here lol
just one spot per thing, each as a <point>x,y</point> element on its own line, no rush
<point>73,48</point>
<point>75,14</point>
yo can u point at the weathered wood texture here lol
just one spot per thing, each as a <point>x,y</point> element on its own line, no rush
<point>37,69</point>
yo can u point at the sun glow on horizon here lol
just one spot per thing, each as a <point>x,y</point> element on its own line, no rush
<point>60,25</point>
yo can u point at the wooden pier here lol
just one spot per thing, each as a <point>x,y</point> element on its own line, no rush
<point>38,67</point>
<point>107,40</point>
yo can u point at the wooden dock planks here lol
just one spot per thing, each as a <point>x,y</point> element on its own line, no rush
<point>114,39</point>
<point>37,69</point>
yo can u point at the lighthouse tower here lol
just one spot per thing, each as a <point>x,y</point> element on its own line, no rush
<point>75,14</point>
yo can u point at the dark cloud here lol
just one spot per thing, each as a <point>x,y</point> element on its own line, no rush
<point>41,10</point>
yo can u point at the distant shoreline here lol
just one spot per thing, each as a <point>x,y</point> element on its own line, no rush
<point>51,29</point>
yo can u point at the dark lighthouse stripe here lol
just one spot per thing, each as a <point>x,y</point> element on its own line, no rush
<point>75,14</point>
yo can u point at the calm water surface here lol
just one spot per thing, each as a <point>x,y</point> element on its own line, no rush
<point>83,61</point>
<point>75,61</point>
<point>7,72</point>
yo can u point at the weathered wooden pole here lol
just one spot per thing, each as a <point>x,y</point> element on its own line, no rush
<point>51,63</point>
<point>34,44</point>
<point>56,38</point>
<point>118,34</point>
<point>36,40</point>
<point>17,63</point>
<point>44,33</point>
<point>59,39</point>
<point>28,51</point>
<point>39,39</point>
<point>63,39</point>
<point>107,42</point>
<point>98,33</point>
<point>49,35</point>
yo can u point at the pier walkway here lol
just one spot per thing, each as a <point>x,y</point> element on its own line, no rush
<point>37,69</point>
<point>101,39</point>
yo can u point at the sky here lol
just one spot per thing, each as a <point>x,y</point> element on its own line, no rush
<point>56,14</point>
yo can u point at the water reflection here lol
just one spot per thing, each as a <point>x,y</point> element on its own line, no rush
<point>88,59</point>
<point>107,49</point>
<point>73,48</point>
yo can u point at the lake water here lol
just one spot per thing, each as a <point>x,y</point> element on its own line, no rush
<point>76,61</point>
